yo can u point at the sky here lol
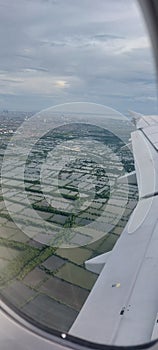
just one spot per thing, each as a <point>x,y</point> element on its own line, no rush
<point>59,51</point>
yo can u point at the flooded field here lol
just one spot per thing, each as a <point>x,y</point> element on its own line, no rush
<point>43,279</point>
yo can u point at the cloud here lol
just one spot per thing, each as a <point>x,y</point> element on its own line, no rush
<point>61,83</point>
<point>128,45</point>
<point>146,98</point>
<point>61,51</point>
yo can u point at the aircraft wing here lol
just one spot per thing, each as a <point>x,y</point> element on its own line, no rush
<point>123,304</point>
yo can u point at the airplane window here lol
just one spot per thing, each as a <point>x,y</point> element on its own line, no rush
<point>71,75</point>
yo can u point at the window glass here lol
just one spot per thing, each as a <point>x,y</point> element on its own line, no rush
<point>70,72</point>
